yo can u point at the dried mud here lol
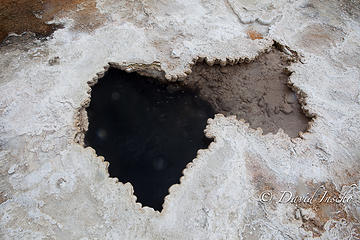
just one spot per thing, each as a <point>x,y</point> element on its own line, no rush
<point>257,92</point>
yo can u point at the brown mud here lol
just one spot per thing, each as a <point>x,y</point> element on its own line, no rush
<point>255,91</point>
<point>328,204</point>
<point>18,16</point>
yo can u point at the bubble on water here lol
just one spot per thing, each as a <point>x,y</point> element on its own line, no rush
<point>159,163</point>
<point>115,96</point>
<point>101,133</point>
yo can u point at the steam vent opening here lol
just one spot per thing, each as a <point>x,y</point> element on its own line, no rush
<point>149,131</point>
<point>146,130</point>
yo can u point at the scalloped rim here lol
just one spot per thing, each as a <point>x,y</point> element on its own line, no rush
<point>154,70</point>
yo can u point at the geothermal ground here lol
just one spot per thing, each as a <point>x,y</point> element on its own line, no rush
<point>229,119</point>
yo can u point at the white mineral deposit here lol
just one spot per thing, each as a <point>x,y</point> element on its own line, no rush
<point>279,89</point>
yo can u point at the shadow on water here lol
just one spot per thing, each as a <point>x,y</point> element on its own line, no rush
<point>146,130</point>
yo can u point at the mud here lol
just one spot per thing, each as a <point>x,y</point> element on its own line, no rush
<point>31,16</point>
<point>257,92</point>
<point>253,35</point>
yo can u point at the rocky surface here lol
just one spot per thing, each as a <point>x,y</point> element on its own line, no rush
<point>54,188</point>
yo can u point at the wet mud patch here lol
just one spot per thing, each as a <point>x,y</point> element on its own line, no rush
<point>146,130</point>
<point>257,91</point>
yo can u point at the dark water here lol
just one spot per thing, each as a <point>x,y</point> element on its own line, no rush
<point>147,131</point>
